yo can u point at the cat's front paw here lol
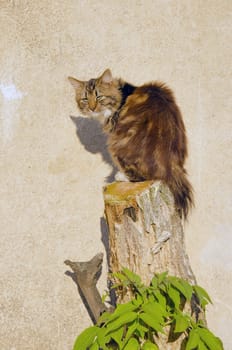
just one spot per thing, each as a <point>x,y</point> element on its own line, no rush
<point>121,177</point>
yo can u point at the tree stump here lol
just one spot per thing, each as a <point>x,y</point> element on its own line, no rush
<point>146,236</point>
<point>145,230</point>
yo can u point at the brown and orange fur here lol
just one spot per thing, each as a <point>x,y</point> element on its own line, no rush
<point>146,133</point>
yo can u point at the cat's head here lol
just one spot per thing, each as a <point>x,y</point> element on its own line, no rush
<point>98,98</point>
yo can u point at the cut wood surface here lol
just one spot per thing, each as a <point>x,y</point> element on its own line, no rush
<point>145,230</point>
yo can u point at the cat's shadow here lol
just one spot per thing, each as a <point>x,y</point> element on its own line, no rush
<point>91,136</point>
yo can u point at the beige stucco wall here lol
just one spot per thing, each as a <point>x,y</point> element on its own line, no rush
<point>51,179</point>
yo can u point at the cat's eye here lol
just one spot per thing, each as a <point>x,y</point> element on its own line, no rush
<point>100,97</point>
<point>85,100</point>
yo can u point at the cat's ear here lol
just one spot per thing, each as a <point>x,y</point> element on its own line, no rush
<point>77,84</point>
<point>106,77</point>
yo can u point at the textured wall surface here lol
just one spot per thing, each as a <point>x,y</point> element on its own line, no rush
<point>53,167</point>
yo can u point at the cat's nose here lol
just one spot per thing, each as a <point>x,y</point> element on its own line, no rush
<point>92,108</point>
<point>92,105</point>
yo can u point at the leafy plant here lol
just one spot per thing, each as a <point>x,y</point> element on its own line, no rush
<point>154,310</point>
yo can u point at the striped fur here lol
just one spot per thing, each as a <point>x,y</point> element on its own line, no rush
<point>146,133</point>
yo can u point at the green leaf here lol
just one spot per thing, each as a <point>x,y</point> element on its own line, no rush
<point>188,289</point>
<point>161,276</point>
<point>142,290</point>
<point>120,276</point>
<point>175,296</point>
<point>193,340</point>
<point>120,310</point>
<point>149,346</point>
<point>182,286</point>
<point>209,339</point>
<point>86,338</point>
<point>155,310</point>
<point>94,347</point>
<point>203,296</point>
<point>124,319</point>
<point>151,322</point>
<point>131,330</point>
<point>154,282</point>
<point>133,277</point>
<point>117,336</point>
<point>161,299</point>
<point>138,300</point>
<point>181,323</point>
<point>102,338</point>
<point>202,346</point>
<point>131,345</point>
<point>104,318</point>
<point>142,330</point>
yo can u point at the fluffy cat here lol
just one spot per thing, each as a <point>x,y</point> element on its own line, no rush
<point>146,133</point>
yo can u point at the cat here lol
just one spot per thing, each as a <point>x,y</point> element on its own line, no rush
<point>146,132</point>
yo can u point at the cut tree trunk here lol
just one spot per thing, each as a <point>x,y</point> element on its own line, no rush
<point>146,236</point>
<point>145,230</point>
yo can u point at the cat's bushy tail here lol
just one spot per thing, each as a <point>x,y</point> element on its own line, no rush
<point>182,191</point>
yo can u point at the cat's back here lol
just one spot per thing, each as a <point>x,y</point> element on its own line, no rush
<point>152,102</point>
<point>151,96</point>
<point>150,119</point>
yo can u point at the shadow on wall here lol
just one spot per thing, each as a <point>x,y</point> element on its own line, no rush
<point>105,241</point>
<point>105,238</point>
<point>90,134</point>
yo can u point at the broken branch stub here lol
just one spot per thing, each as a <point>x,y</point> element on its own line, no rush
<point>86,275</point>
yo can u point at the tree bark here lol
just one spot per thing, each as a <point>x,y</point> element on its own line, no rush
<point>145,230</point>
<point>146,236</point>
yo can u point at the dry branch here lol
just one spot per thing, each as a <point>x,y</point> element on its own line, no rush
<point>86,274</point>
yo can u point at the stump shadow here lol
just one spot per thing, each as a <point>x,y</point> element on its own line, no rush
<point>105,238</point>
<point>106,243</point>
